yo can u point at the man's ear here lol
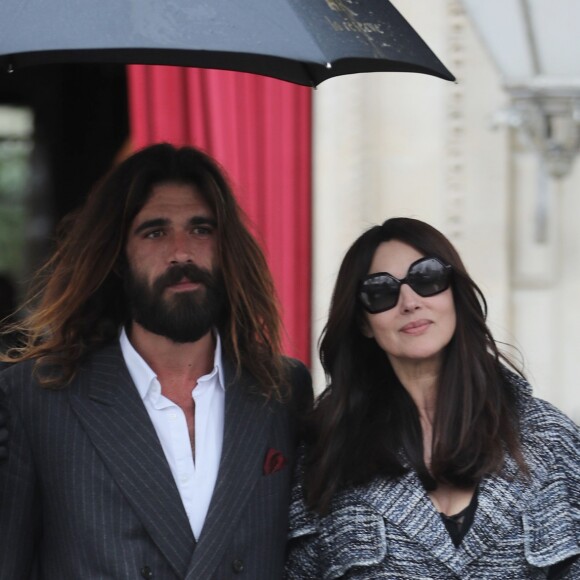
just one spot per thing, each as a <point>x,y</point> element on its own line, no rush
<point>121,266</point>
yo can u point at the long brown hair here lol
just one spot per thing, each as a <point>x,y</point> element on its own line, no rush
<point>365,418</point>
<point>79,304</point>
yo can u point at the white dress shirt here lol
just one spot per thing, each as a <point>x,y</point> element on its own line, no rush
<point>195,480</point>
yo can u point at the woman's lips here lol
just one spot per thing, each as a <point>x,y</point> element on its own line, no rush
<point>416,327</point>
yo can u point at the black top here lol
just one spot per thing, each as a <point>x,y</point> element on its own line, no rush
<point>458,524</point>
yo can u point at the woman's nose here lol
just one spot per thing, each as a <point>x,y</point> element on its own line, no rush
<point>409,300</point>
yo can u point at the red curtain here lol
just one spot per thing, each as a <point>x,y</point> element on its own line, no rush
<point>259,130</point>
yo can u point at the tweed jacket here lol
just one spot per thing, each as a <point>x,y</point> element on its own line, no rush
<point>389,529</point>
<point>86,492</point>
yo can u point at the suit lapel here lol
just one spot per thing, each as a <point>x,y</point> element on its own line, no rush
<point>501,501</point>
<point>246,428</point>
<point>404,503</point>
<point>112,413</point>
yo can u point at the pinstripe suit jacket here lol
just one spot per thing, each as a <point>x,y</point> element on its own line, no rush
<point>87,493</point>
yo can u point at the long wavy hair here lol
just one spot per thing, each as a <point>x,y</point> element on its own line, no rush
<point>78,302</point>
<point>366,424</point>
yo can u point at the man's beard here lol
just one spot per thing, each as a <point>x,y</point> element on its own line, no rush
<point>183,316</point>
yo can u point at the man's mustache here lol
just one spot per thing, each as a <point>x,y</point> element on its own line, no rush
<point>177,273</point>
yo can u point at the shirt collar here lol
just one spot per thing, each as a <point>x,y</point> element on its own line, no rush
<point>143,375</point>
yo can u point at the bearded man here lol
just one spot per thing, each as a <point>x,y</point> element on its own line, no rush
<point>151,416</point>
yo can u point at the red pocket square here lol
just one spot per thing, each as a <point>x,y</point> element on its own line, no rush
<point>274,461</point>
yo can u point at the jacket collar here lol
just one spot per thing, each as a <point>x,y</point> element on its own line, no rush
<point>246,427</point>
<point>112,413</point>
<point>404,502</point>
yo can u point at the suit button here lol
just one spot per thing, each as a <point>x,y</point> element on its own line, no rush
<point>238,566</point>
<point>146,572</point>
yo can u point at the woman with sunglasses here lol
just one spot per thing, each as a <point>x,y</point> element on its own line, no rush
<point>426,457</point>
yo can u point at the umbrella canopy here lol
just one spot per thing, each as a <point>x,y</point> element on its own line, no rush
<point>301,41</point>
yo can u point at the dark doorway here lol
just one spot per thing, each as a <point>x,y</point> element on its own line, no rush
<point>79,125</point>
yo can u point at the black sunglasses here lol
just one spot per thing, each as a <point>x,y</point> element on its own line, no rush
<point>380,291</point>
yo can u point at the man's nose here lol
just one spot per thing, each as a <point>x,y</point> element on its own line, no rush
<point>181,248</point>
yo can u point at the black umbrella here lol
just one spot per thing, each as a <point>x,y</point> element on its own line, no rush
<point>302,41</point>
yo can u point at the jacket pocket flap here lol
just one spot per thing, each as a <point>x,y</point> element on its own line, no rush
<point>551,526</point>
<point>352,536</point>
